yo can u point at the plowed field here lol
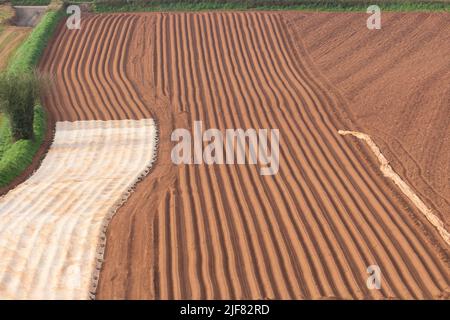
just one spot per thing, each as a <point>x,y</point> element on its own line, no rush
<point>396,84</point>
<point>10,39</point>
<point>224,231</point>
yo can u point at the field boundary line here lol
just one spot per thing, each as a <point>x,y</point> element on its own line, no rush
<point>101,246</point>
<point>388,172</point>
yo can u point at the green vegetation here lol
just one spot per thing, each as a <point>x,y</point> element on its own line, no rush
<point>30,2</point>
<point>28,54</point>
<point>319,5</point>
<point>5,134</point>
<point>18,94</point>
<point>17,155</point>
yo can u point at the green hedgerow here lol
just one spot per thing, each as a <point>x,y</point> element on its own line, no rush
<point>18,94</point>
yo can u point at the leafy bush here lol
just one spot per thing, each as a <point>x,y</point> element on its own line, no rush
<point>16,156</point>
<point>18,93</point>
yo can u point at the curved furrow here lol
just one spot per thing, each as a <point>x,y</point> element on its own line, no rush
<point>190,258</point>
<point>197,266</point>
<point>218,79</point>
<point>76,61</point>
<point>121,73</point>
<point>291,147</point>
<point>228,222</point>
<point>175,257</point>
<point>202,270</point>
<point>224,231</point>
<point>84,79</point>
<point>118,74</point>
<point>122,88</point>
<point>83,73</point>
<point>212,120</point>
<point>252,101</point>
<point>112,100</point>
<point>48,63</point>
<point>329,196</point>
<point>161,50</point>
<point>375,180</point>
<point>395,217</point>
<point>100,69</point>
<point>261,273</point>
<point>371,190</point>
<point>72,103</point>
<point>221,276</point>
<point>259,200</point>
<point>234,122</point>
<point>275,101</point>
<point>163,262</point>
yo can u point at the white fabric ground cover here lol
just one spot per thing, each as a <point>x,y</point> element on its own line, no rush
<point>52,226</point>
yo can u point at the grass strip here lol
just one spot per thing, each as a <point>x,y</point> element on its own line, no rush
<point>16,156</point>
<point>27,55</point>
<point>30,2</point>
<point>305,5</point>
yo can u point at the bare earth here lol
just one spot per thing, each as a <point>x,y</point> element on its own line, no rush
<point>10,39</point>
<point>222,231</point>
<point>396,82</point>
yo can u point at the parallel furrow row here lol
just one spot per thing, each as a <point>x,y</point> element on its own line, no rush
<point>310,231</point>
<point>92,77</point>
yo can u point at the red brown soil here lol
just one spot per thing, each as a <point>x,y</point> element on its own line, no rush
<point>90,81</point>
<point>221,231</point>
<point>396,82</point>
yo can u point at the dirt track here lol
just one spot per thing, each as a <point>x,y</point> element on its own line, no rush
<point>225,231</point>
